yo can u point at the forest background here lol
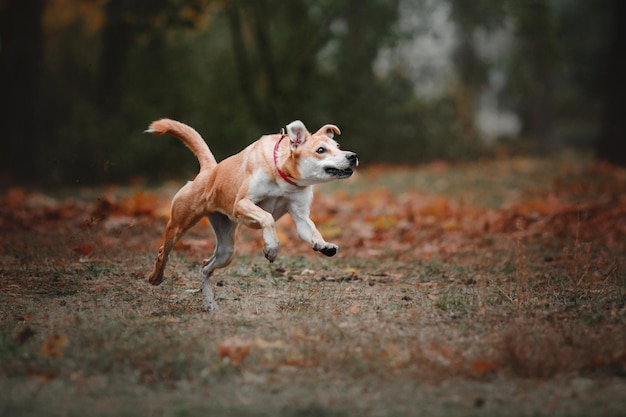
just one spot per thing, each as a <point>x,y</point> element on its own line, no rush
<point>481,268</point>
<point>408,81</point>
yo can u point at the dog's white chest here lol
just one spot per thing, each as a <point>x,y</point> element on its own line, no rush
<point>275,205</point>
<point>268,195</point>
<point>262,187</point>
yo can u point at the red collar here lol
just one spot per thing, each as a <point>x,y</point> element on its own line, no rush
<point>280,171</point>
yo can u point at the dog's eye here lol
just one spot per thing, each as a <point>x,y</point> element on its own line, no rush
<point>321,149</point>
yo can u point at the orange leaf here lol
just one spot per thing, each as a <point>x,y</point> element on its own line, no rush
<point>139,204</point>
<point>83,249</point>
<point>385,222</point>
<point>53,346</point>
<point>396,355</point>
<point>297,361</point>
<point>439,208</point>
<point>330,230</point>
<point>233,350</point>
<point>15,197</point>
<point>451,226</point>
<point>481,367</point>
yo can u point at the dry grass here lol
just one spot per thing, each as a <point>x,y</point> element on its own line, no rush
<point>530,326</point>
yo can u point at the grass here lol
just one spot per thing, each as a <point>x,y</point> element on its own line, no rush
<point>497,323</point>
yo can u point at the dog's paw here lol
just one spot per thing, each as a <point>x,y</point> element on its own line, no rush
<point>210,306</point>
<point>270,254</point>
<point>155,278</point>
<point>328,249</point>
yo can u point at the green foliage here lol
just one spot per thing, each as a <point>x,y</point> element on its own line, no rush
<point>252,68</point>
<point>238,69</point>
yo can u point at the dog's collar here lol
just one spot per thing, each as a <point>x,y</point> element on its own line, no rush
<point>280,171</point>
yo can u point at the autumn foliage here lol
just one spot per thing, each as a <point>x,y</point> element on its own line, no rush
<point>586,204</point>
<point>589,206</point>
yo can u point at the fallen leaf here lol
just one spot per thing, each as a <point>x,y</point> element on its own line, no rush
<point>297,361</point>
<point>385,222</point>
<point>481,367</point>
<point>42,376</point>
<point>53,346</point>
<point>233,350</point>
<point>139,204</point>
<point>395,355</point>
<point>451,225</point>
<point>301,336</point>
<point>351,271</point>
<point>266,344</point>
<point>83,249</point>
<point>15,197</point>
<point>329,230</point>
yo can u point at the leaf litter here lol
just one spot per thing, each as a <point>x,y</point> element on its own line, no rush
<point>493,274</point>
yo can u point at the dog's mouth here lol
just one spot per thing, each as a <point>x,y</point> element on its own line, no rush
<point>339,173</point>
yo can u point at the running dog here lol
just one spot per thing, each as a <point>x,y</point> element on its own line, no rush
<point>271,177</point>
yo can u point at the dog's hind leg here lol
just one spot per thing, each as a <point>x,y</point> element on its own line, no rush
<point>179,223</point>
<point>224,229</point>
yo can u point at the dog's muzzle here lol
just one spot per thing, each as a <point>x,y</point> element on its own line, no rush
<point>353,161</point>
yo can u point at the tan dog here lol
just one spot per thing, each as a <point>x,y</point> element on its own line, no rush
<point>255,187</point>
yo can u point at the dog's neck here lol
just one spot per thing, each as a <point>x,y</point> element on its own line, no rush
<point>280,171</point>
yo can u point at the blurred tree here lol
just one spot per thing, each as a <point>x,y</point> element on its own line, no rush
<point>533,69</point>
<point>118,37</point>
<point>20,86</point>
<point>471,69</point>
<point>313,60</point>
<point>235,69</point>
<point>612,141</point>
<point>128,20</point>
<point>261,104</point>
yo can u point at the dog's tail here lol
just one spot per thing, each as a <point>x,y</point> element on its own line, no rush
<point>189,136</point>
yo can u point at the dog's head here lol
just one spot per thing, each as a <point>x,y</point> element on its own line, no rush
<point>317,157</point>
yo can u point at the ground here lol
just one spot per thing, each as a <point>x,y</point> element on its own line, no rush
<point>491,288</point>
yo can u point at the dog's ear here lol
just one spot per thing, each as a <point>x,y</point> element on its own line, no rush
<point>329,130</point>
<point>297,133</point>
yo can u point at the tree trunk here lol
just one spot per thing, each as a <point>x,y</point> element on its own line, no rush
<point>266,58</point>
<point>612,141</point>
<point>20,86</point>
<point>537,57</point>
<point>244,71</point>
<point>117,38</point>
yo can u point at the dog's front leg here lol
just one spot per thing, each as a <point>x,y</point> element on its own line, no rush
<point>254,216</point>
<point>299,211</point>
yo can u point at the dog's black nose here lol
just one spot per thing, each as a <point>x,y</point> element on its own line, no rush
<point>353,158</point>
